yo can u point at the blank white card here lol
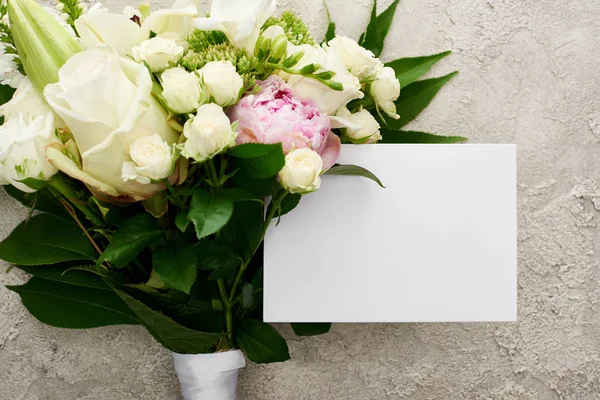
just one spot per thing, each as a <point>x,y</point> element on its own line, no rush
<point>438,244</point>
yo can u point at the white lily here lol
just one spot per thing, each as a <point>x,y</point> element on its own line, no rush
<point>239,20</point>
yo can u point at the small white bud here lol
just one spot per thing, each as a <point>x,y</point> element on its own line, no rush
<point>65,16</point>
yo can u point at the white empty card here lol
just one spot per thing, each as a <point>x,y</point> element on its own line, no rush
<point>439,243</point>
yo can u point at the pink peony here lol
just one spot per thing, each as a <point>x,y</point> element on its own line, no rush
<point>275,116</point>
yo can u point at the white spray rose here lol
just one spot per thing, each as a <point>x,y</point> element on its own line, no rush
<point>99,26</point>
<point>107,103</point>
<point>302,171</point>
<point>28,129</point>
<point>152,160</point>
<point>328,100</point>
<point>362,127</point>
<point>222,82</point>
<point>208,133</point>
<point>361,62</point>
<point>159,52</point>
<point>386,90</point>
<point>181,90</point>
<point>240,20</point>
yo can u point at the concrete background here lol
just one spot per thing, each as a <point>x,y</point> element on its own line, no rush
<point>528,75</point>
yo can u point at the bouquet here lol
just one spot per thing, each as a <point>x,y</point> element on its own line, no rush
<point>155,148</point>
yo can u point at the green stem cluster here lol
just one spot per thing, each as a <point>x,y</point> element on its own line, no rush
<point>62,187</point>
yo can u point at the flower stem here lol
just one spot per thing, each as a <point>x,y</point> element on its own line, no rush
<point>228,313</point>
<point>58,183</point>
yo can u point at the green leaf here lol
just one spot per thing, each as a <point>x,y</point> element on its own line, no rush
<point>223,272</point>
<point>73,306</point>
<point>200,315</point>
<point>42,200</point>
<point>393,136</point>
<point>330,34</point>
<point>244,231</point>
<point>384,22</point>
<point>169,333</point>
<point>258,187</point>
<point>209,212</point>
<point>415,98</point>
<point>176,265</point>
<point>371,39</point>
<point>136,234</point>
<point>212,256</point>
<point>311,329</point>
<point>261,342</point>
<point>408,70</point>
<point>64,274</point>
<point>353,170</point>
<point>6,94</point>
<point>46,239</point>
<point>289,203</point>
<point>259,161</point>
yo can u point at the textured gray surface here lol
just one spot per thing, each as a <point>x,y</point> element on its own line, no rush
<point>529,75</point>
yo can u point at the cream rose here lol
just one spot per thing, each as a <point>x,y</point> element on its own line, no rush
<point>363,127</point>
<point>302,171</point>
<point>208,133</point>
<point>106,102</point>
<point>152,160</point>
<point>361,62</point>
<point>222,82</point>
<point>159,52</point>
<point>386,90</point>
<point>181,90</point>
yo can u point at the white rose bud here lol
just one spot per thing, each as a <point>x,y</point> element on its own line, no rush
<point>302,171</point>
<point>222,82</point>
<point>159,52</point>
<point>386,90</point>
<point>208,133</point>
<point>361,62</point>
<point>152,160</point>
<point>364,128</point>
<point>181,90</point>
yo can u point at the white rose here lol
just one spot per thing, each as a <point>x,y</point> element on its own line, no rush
<point>361,62</point>
<point>107,103</point>
<point>152,160</point>
<point>222,82</point>
<point>208,133</point>
<point>328,100</point>
<point>240,20</point>
<point>159,52</point>
<point>363,128</point>
<point>181,90</point>
<point>386,90</point>
<point>99,26</point>
<point>28,129</point>
<point>302,171</point>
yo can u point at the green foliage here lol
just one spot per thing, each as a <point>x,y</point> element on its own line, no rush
<point>259,161</point>
<point>73,306</point>
<point>295,29</point>
<point>353,170</point>
<point>202,40</point>
<point>331,27</point>
<point>408,70</point>
<point>73,8</point>
<point>175,263</point>
<point>261,342</point>
<point>42,200</point>
<point>167,332</point>
<point>396,136</point>
<point>7,39</point>
<point>46,239</point>
<point>311,329</point>
<point>209,212</point>
<point>244,63</point>
<point>136,234</point>
<point>379,25</point>
<point>415,98</point>
<point>67,274</point>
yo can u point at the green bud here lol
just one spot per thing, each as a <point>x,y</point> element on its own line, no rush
<point>279,47</point>
<point>309,69</point>
<point>293,60</point>
<point>327,75</point>
<point>258,45</point>
<point>42,43</point>
<point>265,50</point>
<point>334,85</point>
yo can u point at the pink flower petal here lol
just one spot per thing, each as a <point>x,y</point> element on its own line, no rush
<point>331,151</point>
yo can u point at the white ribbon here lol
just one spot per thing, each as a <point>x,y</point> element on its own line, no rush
<point>209,376</point>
